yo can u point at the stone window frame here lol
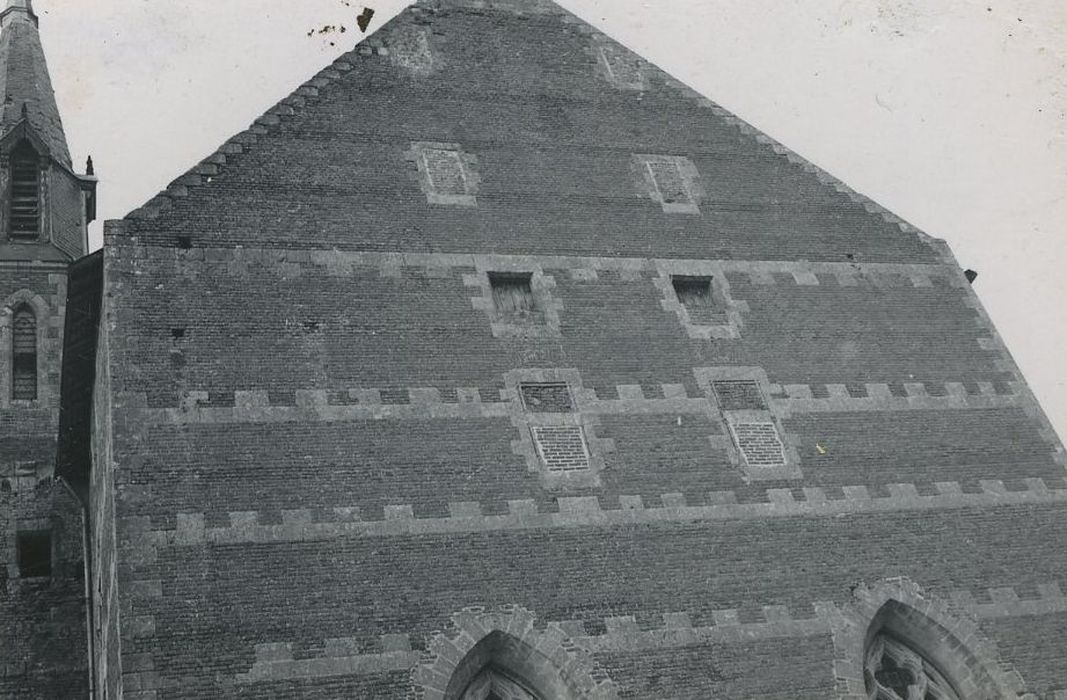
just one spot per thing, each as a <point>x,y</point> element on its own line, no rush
<point>467,170</point>
<point>942,632</point>
<point>607,54</point>
<point>41,310</point>
<point>731,418</point>
<point>525,420</point>
<point>542,655</point>
<point>733,310</point>
<point>648,187</point>
<point>544,323</point>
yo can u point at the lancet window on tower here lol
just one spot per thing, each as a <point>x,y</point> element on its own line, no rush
<point>24,355</point>
<point>24,212</point>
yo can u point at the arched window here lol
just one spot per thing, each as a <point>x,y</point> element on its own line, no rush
<point>502,667</point>
<point>895,671</point>
<point>25,207</point>
<point>24,354</point>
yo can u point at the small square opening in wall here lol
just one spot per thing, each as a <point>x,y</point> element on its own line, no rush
<point>697,295</point>
<point>34,553</point>
<point>512,293</point>
<point>739,395</point>
<point>669,182</point>
<point>562,448</point>
<point>547,397</point>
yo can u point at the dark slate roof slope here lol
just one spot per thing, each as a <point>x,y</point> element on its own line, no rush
<point>24,80</point>
<point>524,94</point>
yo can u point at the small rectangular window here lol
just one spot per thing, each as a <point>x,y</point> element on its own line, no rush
<point>512,292</point>
<point>562,448</point>
<point>548,397</point>
<point>34,553</point>
<point>759,444</point>
<point>739,395</point>
<point>697,295</point>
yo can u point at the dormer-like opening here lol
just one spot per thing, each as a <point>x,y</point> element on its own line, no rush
<point>24,208</point>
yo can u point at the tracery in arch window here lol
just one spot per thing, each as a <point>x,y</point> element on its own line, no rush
<point>24,354</point>
<point>895,671</point>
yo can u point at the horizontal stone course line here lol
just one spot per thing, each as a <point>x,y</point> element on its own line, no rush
<point>335,263</point>
<point>585,511</point>
<point>418,403</point>
<point>275,662</point>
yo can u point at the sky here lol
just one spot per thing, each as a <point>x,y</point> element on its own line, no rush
<point>952,114</point>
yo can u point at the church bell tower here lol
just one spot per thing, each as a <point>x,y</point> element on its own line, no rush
<point>45,209</point>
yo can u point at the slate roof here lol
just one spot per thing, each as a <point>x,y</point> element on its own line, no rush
<point>25,82</point>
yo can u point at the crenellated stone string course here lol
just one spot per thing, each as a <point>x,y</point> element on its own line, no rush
<point>340,263</point>
<point>275,661</point>
<point>304,525</point>
<point>400,403</point>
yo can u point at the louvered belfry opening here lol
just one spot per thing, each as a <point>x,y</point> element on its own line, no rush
<point>24,355</point>
<point>25,211</point>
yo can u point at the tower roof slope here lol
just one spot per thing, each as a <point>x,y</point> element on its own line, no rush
<point>556,121</point>
<point>25,85</point>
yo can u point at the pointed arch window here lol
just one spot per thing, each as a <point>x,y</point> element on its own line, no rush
<point>24,354</point>
<point>895,671</point>
<point>24,215</point>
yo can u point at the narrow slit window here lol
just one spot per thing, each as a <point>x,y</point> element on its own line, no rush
<point>34,554</point>
<point>25,211</point>
<point>512,293</point>
<point>24,355</point>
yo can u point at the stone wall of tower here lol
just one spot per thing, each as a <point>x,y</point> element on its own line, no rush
<point>42,619</point>
<point>43,635</point>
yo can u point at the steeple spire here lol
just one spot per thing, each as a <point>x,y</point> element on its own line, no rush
<point>18,9</point>
<point>25,85</point>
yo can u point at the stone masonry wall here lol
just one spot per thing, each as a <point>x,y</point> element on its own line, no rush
<point>325,477</point>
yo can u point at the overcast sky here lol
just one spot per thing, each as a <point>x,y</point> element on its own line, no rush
<point>950,113</point>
